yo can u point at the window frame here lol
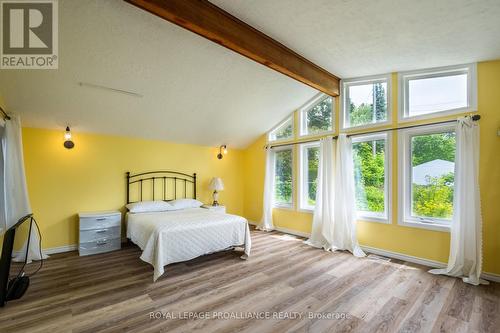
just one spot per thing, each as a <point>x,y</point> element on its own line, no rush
<point>306,108</point>
<point>344,88</point>
<point>386,218</point>
<point>405,217</point>
<point>277,205</point>
<point>302,202</point>
<point>403,91</point>
<point>280,124</point>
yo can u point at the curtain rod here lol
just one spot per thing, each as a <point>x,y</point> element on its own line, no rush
<point>475,117</point>
<point>5,115</point>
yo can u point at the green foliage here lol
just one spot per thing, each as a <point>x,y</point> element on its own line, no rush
<point>430,147</point>
<point>432,200</point>
<point>364,113</point>
<point>319,118</point>
<point>312,174</point>
<point>369,175</point>
<point>283,176</point>
<point>380,101</point>
<point>435,199</point>
<point>284,132</point>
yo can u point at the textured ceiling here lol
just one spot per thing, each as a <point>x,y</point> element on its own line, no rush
<point>363,37</point>
<point>198,92</point>
<point>194,91</point>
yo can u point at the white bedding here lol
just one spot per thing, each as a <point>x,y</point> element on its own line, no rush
<point>174,236</point>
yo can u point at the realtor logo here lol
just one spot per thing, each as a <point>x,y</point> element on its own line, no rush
<point>29,34</point>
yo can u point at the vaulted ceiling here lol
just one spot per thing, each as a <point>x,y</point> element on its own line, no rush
<point>195,91</point>
<point>363,37</point>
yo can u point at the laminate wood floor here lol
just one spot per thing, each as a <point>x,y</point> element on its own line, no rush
<point>285,286</point>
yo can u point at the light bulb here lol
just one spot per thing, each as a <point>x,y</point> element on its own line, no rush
<point>225,151</point>
<point>67,136</point>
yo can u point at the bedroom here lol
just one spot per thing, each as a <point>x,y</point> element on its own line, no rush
<point>144,93</point>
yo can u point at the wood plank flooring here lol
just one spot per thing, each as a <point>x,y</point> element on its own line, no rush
<point>285,286</point>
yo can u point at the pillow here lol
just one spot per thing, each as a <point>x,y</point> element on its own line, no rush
<point>149,206</point>
<point>185,203</point>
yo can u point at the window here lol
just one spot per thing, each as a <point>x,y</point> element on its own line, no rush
<point>427,176</point>
<point>317,116</point>
<point>437,92</point>
<point>284,131</point>
<point>366,102</point>
<point>283,181</point>
<point>371,155</point>
<point>309,162</point>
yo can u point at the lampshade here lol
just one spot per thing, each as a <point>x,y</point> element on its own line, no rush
<point>216,184</point>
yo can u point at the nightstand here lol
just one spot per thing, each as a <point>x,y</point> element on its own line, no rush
<point>217,209</point>
<point>99,232</point>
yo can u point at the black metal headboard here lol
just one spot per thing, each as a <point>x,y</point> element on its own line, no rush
<point>166,181</point>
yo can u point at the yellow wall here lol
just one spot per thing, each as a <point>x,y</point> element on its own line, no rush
<point>416,242</point>
<point>91,176</point>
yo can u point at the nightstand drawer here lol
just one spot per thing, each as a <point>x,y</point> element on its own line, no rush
<point>100,222</point>
<point>99,246</point>
<point>101,233</point>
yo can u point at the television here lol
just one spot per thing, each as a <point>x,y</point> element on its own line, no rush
<point>13,286</point>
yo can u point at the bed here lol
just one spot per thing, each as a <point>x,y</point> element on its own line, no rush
<point>166,237</point>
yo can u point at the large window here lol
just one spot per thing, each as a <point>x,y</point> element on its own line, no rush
<point>436,92</point>
<point>284,131</point>
<point>309,161</point>
<point>366,102</point>
<point>427,176</point>
<point>371,174</point>
<point>317,116</point>
<point>283,182</point>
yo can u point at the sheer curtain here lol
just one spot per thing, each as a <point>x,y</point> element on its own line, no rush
<point>15,203</point>
<point>334,219</point>
<point>322,226</point>
<point>266,222</point>
<point>345,216</point>
<point>465,258</point>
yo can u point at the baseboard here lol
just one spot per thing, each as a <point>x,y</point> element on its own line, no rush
<point>60,249</point>
<point>390,254</point>
<point>404,257</point>
<point>286,230</point>
<point>293,232</point>
<point>53,250</point>
<point>491,277</point>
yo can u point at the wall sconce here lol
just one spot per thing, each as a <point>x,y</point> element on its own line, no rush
<point>68,143</point>
<point>222,150</point>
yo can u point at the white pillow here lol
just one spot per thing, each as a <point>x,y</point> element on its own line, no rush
<point>185,203</point>
<point>149,206</point>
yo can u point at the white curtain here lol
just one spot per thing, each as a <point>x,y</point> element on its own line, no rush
<point>266,223</point>
<point>465,258</point>
<point>345,216</point>
<point>322,226</point>
<point>15,202</point>
<point>334,219</point>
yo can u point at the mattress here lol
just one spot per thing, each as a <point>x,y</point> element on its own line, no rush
<point>175,236</point>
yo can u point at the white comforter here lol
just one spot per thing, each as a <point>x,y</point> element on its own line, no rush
<point>174,236</point>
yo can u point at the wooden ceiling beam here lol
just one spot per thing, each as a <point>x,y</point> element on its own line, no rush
<point>209,21</point>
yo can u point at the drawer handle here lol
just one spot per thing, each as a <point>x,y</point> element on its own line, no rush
<point>100,218</point>
<point>101,231</point>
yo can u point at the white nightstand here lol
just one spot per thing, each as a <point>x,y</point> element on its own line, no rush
<point>99,232</point>
<point>218,209</point>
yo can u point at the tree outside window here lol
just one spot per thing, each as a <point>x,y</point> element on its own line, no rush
<point>283,187</point>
